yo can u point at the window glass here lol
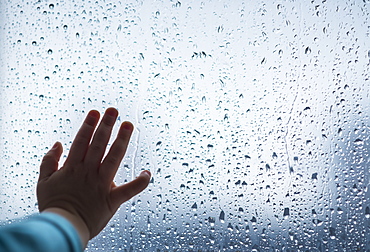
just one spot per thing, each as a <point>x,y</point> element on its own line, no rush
<point>253,116</point>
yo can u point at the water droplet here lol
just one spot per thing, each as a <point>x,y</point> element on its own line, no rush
<point>358,141</point>
<point>51,6</point>
<point>50,51</point>
<point>268,167</point>
<point>314,175</point>
<point>211,221</point>
<point>230,227</point>
<point>286,212</point>
<point>222,216</point>
<point>332,233</point>
<point>194,207</point>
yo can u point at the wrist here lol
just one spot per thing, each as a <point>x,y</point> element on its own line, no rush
<point>76,221</point>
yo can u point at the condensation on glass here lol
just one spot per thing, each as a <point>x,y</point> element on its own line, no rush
<point>252,116</point>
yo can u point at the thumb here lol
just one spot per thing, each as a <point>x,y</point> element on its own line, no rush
<point>125,192</point>
<point>50,161</point>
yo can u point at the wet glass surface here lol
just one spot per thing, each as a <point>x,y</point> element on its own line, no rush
<point>253,117</point>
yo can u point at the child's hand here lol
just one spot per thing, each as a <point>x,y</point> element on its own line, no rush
<point>84,186</point>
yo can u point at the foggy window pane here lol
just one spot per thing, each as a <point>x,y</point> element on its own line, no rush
<point>253,116</point>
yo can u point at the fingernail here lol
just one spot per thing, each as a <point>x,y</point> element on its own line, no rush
<point>146,173</point>
<point>55,146</point>
<point>94,114</point>
<point>112,112</point>
<point>127,125</point>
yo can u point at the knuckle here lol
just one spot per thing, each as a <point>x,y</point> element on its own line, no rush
<point>142,183</point>
<point>80,140</point>
<point>129,193</point>
<point>48,157</point>
<point>108,122</point>
<point>96,147</point>
<point>112,161</point>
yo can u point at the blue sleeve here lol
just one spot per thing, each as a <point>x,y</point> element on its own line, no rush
<point>44,232</point>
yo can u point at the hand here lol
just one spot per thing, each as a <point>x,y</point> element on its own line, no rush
<point>84,186</point>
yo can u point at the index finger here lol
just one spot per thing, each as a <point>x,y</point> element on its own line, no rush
<point>82,140</point>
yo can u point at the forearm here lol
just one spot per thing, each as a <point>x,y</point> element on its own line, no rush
<point>76,221</point>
